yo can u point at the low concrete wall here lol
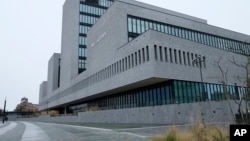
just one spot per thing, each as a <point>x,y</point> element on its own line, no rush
<point>176,114</point>
<point>48,118</point>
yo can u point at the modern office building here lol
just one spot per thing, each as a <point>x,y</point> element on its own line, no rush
<point>142,59</point>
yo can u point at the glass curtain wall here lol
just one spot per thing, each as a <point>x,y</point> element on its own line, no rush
<point>90,12</point>
<point>137,26</point>
<point>170,92</point>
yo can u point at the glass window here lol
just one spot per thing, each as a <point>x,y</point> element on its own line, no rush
<point>82,52</point>
<point>130,25</point>
<point>153,94</point>
<point>210,40</point>
<point>154,26</point>
<point>143,97</point>
<point>183,33</point>
<point>187,91</point>
<point>81,18</point>
<point>142,26</point>
<point>179,32</point>
<point>162,28</point>
<point>138,26</point>
<point>173,31</point>
<point>190,35</point>
<point>82,40</point>
<point>168,94</point>
<point>219,42</point>
<point>176,32</point>
<point>186,34</point>
<point>158,27</point>
<point>140,98</point>
<point>182,97</point>
<point>202,38</point>
<point>195,37</point>
<point>213,41</point>
<point>146,25</point>
<point>176,92</point>
<point>216,96</point>
<point>151,98</point>
<point>159,95</point>
<point>195,95</point>
<point>226,43</point>
<point>248,49</point>
<point>205,40</point>
<point>134,25</point>
<point>150,25</point>
<point>163,93</point>
<point>81,8</point>
<point>166,29</point>
<point>170,30</point>
<point>146,97</point>
<point>199,91</point>
<point>81,29</point>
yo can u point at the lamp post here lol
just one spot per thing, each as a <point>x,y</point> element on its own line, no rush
<point>198,61</point>
<point>47,102</point>
<point>4,110</point>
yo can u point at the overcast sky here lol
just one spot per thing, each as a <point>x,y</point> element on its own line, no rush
<point>30,32</point>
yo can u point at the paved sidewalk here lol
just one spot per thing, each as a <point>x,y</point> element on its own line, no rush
<point>34,133</point>
<point>40,131</point>
<point>9,126</point>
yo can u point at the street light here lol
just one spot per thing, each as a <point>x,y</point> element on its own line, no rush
<point>4,116</point>
<point>47,106</point>
<point>198,62</point>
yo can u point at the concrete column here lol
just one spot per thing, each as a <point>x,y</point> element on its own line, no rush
<point>65,110</point>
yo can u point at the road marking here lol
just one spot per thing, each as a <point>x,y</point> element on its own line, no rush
<point>89,128</point>
<point>7,128</point>
<point>133,134</point>
<point>34,133</point>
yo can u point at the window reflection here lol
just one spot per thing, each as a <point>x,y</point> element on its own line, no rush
<point>140,25</point>
<point>170,92</point>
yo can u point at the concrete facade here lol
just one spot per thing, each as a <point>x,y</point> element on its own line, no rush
<point>107,74</point>
<point>70,35</point>
<point>53,73</point>
<point>43,91</point>
<point>176,114</point>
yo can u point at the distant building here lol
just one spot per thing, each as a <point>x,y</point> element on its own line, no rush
<point>25,106</point>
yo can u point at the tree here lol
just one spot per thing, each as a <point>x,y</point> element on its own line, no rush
<point>223,81</point>
<point>245,98</point>
<point>242,100</point>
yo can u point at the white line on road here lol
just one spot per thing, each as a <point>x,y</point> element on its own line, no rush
<point>7,128</point>
<point>34,133</point>
<point>136,135</point>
